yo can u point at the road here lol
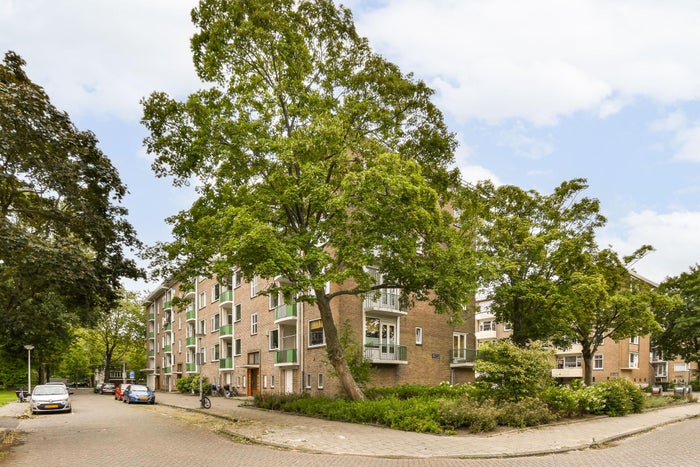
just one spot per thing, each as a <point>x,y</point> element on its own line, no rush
<point>102,431</point>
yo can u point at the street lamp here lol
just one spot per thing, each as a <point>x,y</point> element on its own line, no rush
<point>200,362</point>
<point>29,367</point>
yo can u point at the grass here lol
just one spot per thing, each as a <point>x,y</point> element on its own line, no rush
<point>7,396</point>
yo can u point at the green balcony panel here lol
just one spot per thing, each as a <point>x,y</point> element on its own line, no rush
<point>191,341</point>
<point>225,363</point>
<point>191,367</point>
<point>226,330</point>
<point>226,296</point>
<point>167,348</point>
<point>286,356</point>
<point>191,315</point>
<point>288,310</point>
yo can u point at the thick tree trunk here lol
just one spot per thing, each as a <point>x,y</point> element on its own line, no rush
<point>336,355</point>
<point>587,354</point>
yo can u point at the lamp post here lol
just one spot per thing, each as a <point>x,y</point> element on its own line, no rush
<point>29,367</point>
<point>200,362</point>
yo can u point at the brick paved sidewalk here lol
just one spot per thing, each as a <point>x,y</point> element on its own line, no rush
<point>317,435</point>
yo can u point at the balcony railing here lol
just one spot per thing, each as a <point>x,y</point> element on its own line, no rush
<point>226,330</point>
<point>151,353</point>
<point>386,354</point>
<point>463,356</point>
<point>383,301</point>
<point>168,370</point>
<point>151,316</point>
<point>285,312</point>
<point>167,305</point>
<point>191,315</point>
<point>191,367</point>
<point>286,356</point>
<point>189,293</point>
<point>226,363</point>
<point>226,299</point>
<point>190,341</point>
<point>167,348</point>
<point>168,326</point>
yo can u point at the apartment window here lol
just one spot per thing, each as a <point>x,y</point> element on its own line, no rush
<point>202,299</point>
<point>507,327</point>
<point>179,322</point>
<point>203,326</point>
<point>264,381</point>
<point>570,361</point>
<point>215,352</point>
<point>634,360</point>
<point>215,292</point>
<point>274,339</point>
<point>245,380</point>
<point>680,367</point>
<point>253,324</point>
<point>215,322</point>
<point>316,335</point>
<point>274,300</point>
<point>308,381</point>
<point>272,381</point>
<point>419,336</point>
<point>254,358</point>
<point>634,340</point>
<point>487,326</point>
<point>320,380</point>
<point>253,286</point>
<point>202,355</point>
<point>237,313</point>
<point>237,348</point>
<point>598,362</point>
<point>179,346</point>
<point>237,278</point>
<point>238,381</point>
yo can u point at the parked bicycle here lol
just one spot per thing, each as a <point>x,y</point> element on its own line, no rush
<point>225,391</point>
<point>204,402</point>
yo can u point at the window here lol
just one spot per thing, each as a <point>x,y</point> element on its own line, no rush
<point>253,324</point>
<point>679,367</point>
<point>202,355</point>
<point>598,362</point>
<point>244,381</point>
<point>274,339</point>
<point>320,380</point>
<point>237,348</point>
<point>202,299</point>
<point>316,335</point>
<point>308,381</point>
<point>507,327</point>
<point>237,313</point>
<point>634,340</point>
<point>634,360</point>
<point>272,381</point>
<point>215,292</point>
<point>253,286</point>
<point>487,326</point>
<point>237,280</point>
<point>569,361</point>
<point>215,352</point>
<point>274,300</point>
<point>179,322</point>
<point>254,358</point>
<point>419,336</point>
<point>203,326</point>
<point>215,321</point>
<point>264,381</point>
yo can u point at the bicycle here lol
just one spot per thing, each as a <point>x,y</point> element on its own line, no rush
<point>204,402</point>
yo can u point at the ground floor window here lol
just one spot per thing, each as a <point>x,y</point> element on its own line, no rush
<point>598,362</point>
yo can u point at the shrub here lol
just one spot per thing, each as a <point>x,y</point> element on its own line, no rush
<point>467,413</point>
<point>561,400</point>
<point>191,384</point>
<point>523,413</point>
<point>614,397</point>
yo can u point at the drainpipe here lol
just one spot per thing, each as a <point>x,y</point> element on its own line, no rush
<point>301,348</point>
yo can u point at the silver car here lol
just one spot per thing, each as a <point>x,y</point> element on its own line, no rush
<point>50,398</point>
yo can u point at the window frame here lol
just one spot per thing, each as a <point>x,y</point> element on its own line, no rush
<point>315,331</point>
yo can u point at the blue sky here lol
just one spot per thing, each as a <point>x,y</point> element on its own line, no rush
<point>538,92</point>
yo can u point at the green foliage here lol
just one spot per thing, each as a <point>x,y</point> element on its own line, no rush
<point>360,367</point>
<point>513,373</point>
<point>561,400</point>
<point>615,397</point>
<point>190,384</point>
<point>465,412</point>
<point>411,391</point>
<point>525,412</point>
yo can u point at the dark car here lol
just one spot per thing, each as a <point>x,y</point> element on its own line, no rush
<point>107,388</point>
<point>138,393</point>
<point>98,387</point>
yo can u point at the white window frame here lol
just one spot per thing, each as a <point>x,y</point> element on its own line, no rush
<point>272,381</point>
<point>322,330</point>
<point>633,360</point>
<point>254,324</point>
<point>203,326</point>
<point>634,340</point>
<point>483,325</point>
<point>273,332</point>
<point>237,280</point>
<point>308,380</point>
<point>237,349</point>
<point>254,287</point>
<point>215,322</point>
<point>320,381</point>
<point>202,299</point>
<point>419,336</point>
<point>598,361</point>
<point>237,312</point>
<point>215,352</point>
<point>215,292</point>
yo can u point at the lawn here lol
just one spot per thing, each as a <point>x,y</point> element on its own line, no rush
<point>7,396</point>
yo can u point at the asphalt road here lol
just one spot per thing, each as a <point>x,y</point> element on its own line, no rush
<point>104,432</point>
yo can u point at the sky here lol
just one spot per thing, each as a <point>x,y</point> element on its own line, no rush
<point>537,92</point>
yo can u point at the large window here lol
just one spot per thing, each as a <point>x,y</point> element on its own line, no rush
<point>598,362</point>
<point>237,348</point>
<point>237,312</point>
<point>316,335</point>
<point>215,322</point>
<point>634,360</point>
<point>274,339</point>
<point>202,299</point>
<point>569,361</point>
<point>253,324</point>
<point>215,292</point>
<point>487,326</point>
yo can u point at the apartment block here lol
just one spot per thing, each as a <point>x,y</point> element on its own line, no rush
<point>234,334</point>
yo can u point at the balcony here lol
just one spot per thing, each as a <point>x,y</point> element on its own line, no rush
<point>485,334</point>
<point>286,312</point>
<point>226,363</point>
<point>190,341</point>
<point>226,299</point>
<point>151,316</point>
<point>167,305</point>
<point>168,326</point>
<point>191,315</point>
<point>463,358</point>
<point>168,370</point>
<point>286,357</point>
<point>151,353</point>
<point>387,354</point>
<point>384,302</point>
<point>226,330</point>
<point>167,348</point>
<point>151,335</point>
<point>575,372</point>
<point>191,368</point>
<point>189,293</point>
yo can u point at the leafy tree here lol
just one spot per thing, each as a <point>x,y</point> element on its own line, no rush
<point>314,158</point>
<point>534,242</point>
<point>604,299</point>
<point>75,365</point>
<point>513,373</point>
<point>679,316</point>
<point>63,234</point>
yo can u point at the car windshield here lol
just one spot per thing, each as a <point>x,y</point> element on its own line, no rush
<point>138,389</point>
<point>52,390</point>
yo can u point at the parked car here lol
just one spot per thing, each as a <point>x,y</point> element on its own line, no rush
<point>107,388</point>
<point>119,391</point>
<point>50,398</point>
<point>98,387</point>
<point>59,383</point>
<point>138,393</point>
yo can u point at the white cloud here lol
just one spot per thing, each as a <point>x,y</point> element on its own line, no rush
<point>541,60</point>
<point>523,144</point>
<point>688,141</point>
<point>674,235</point>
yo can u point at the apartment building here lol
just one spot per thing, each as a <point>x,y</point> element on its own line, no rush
<point>233,334</point>
<point>632,358</point>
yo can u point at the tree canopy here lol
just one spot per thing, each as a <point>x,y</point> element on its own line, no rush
<point>63,233</point>
<point>314,158</point>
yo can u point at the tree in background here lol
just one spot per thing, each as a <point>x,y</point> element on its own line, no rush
<point>63,234</point>
<point>314,158</point>
<point>679,316</point>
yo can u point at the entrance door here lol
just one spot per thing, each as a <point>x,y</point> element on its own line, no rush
<point>388,341</point>
<point>253,375</point>
<point>288,382</point>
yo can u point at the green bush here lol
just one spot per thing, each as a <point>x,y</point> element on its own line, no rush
<point>614,397</point>
<point>561,400</point>
<point>476,416</point>
<point>412,391</point>
<point>191,384</point>
<point>523,413</point>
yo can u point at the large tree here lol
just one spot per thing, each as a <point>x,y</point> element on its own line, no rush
<point>314,158</point>
<point>534,243</point>
<point>63,233</point>
<point>603,298</point>
<point>679,316</point>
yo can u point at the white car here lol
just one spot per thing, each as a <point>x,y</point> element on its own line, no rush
<point>50,398</point>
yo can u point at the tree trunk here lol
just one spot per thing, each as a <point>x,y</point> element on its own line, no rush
<point>587,365</point>
<point>336,355</point>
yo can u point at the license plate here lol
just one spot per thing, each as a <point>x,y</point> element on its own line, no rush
<point>51,406</point>
<point>143,398</point>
